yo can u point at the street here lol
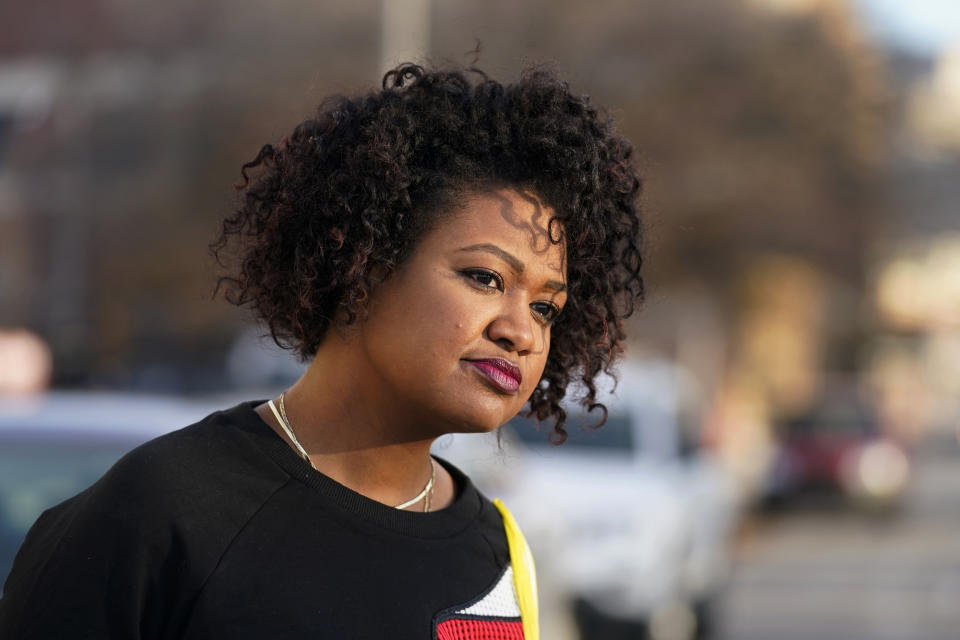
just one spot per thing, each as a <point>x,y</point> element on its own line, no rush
<point>833,574</point>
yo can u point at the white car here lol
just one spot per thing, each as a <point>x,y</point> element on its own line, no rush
<point>629,523</point>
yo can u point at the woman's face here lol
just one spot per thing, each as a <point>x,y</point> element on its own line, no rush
<point>457,337</point>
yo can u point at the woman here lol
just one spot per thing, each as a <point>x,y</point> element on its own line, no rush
<point>445,253</point>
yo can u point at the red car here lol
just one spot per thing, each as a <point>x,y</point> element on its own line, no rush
<point>839,449</point>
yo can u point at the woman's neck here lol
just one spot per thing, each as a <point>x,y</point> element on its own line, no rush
<point>353,435</point>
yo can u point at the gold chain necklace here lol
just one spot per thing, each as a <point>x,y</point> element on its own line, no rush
<point>426,495</point>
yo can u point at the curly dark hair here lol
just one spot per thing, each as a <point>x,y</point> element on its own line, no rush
<point>342,201</point>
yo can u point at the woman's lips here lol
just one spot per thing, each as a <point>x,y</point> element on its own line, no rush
<point>503,375</point>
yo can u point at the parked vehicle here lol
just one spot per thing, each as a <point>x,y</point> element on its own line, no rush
<point>631,523</point>
<point>52,446</point>
<point>838,449</point>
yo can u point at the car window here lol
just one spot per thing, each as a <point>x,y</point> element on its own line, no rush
<point>615,435</point>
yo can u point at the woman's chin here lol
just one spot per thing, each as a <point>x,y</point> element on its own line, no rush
<point>479,422</point>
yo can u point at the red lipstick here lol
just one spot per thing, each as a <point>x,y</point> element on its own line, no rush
<point>503,375</point>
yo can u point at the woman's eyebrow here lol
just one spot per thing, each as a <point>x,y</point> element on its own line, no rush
<point>554,285</point>
<point>510,259</point>
<point>513,261</point>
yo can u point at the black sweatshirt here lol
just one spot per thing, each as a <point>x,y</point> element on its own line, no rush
<point>220,530</point>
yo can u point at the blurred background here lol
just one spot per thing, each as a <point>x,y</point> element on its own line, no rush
<point>802,198</point>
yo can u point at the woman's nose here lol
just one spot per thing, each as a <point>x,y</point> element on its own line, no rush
<point>513,328</point>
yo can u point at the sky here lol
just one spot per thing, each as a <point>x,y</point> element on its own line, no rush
<point>922,26</point>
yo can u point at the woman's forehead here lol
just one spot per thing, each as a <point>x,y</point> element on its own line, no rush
<point>515,221</point>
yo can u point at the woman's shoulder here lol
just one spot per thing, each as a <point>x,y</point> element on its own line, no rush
<point>196,485</point>
<point>145,536</point>
<point>484,515</point>
<point>215,457</point>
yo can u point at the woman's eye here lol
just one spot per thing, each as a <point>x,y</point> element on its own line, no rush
<point>485,279</point>
<point>546,310</point>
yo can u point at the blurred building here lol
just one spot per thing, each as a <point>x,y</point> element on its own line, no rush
<point>122,130</point>
<point>770,133</point>
<point>916,266</point>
